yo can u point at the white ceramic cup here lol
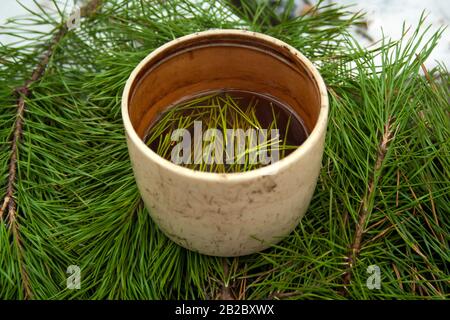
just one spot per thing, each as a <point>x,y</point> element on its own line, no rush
<point>225,214</point>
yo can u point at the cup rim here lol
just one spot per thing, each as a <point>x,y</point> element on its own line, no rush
<point>312,139</point>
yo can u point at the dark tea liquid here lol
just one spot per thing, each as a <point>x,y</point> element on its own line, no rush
<point>267,109</point>
<point>296,133</point>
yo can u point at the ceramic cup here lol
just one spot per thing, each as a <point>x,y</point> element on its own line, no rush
<point>225,214</point>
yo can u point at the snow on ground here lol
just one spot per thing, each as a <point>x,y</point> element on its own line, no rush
<point>389,15</point>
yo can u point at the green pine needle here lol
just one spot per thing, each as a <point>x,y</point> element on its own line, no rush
<point>382,197</point>
<point>221,112</point>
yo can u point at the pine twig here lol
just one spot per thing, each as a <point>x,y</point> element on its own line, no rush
<point>23,92</point>
<point>282,295</point>
<point>364,211</point>
<point>225,291</point>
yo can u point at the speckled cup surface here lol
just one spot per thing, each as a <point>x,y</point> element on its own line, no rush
<point>225,214</point>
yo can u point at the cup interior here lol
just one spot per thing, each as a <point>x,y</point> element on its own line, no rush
<point>209,61</point>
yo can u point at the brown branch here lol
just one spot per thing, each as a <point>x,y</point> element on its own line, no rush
<point>225,291</point>
<point>282,295</point>
<point>9,203</point>
<point>242,288</point>
<point>422,210</point>
<point>364,210</point>
<point>363,33</point>
<point>427,76</point>
<point>397,274</point>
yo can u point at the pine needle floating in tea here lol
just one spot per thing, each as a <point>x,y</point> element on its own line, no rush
<point>242,131</point>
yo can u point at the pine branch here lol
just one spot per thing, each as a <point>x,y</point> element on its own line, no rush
<point>82,205</point>
<point>364,211</point>
<point>225,291</point>
<point>9,203</point>
<point>284,295</point>
<point>23,93</point>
